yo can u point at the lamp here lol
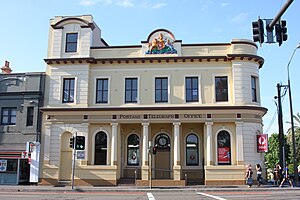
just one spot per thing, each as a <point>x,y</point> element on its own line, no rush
<point>292,117</point>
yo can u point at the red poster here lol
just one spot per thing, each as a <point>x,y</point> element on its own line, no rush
<point>262,143</point>
<point>224,155</point>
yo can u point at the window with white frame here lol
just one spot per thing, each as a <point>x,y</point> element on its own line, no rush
<point>8,116</point>
<point>68,90</point>
<point>102,90</point>
<point>221,88</point>
<point>71,42</point>
<point>131,90</point>
<point>254,88</point>
<point>161,90</point>
<point>191,89</point>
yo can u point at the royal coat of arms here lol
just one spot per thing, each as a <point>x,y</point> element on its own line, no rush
<point>161,45</point>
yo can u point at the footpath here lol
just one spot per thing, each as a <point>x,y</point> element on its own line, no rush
<point>197,188</point>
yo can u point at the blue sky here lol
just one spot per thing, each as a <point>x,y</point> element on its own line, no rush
<point>25,25</point>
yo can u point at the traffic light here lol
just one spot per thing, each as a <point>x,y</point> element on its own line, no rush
<point>258,31</point>
<point>154,150</point>
<point>80,143</point>
<point>72,142</point>
<point>281,31</point>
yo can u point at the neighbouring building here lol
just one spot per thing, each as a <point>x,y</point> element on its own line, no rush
<point>196,106</point>
<point>21,96</point>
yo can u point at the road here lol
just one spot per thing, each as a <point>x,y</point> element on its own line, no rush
<point>275,194</point>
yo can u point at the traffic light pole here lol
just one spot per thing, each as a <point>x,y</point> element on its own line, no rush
<point>73,161</point>
<point>278,16</point>
<point>280,127</point>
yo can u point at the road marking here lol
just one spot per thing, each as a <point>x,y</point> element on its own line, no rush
<point>150,196</point>
<point>212,196</point>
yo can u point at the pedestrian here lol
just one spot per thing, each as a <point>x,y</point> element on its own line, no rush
<point>286,177</point>
<point>259,174</point>
<point>277,174</point>
<point>248,176</point>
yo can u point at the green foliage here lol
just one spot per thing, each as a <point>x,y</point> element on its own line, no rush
<point>297,139</point>
<point>272,156</point>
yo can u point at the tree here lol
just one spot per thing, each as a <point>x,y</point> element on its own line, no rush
<point>297,137</point>
<point>272,156</point>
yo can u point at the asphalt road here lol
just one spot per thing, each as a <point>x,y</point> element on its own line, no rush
<point>276,194</point>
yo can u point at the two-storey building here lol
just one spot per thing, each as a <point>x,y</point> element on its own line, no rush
<point>21,96</point>
<point>196,105</point>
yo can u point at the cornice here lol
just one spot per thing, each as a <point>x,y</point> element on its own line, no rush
<point>92,60</point>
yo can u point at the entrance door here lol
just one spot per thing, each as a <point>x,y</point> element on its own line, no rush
<point>66,158</point>
<point>162,168</point>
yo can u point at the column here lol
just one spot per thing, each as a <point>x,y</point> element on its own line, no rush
<point>209,152</point>
<point>85,131</point>
<point>47,144</point>
<point>114,140</point>
<point>177,166</point>
<point>239,143</point>
<point>145,161</point>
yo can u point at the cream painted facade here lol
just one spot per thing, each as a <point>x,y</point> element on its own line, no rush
<point>114,95</point>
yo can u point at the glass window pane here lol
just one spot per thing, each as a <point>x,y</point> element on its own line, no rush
<point>188,83</point>
<point>224,152</point>
<point>157,96</point>
<point>157,83</point>
<point>164,96</point>
<point>4,120</point>
<point>164,83</point>
<point>72,37</point>
<point>105,97</point>
<point>105,84</point>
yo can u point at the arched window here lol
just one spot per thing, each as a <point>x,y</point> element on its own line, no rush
<point>192,149</point>
<point>133,151</point>
<point>224,151</point>
<point>100,148</point>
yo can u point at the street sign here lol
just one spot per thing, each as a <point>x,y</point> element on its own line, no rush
<point>262,143</point>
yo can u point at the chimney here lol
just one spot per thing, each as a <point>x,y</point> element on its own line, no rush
<point>6,69</point>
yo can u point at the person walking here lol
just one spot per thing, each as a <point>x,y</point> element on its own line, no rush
<point>259,174</point>
<point>248,176</point>
<point>277,172</point>
<point>286,177</point>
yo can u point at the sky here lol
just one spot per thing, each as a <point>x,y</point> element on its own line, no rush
<point>25,25</point>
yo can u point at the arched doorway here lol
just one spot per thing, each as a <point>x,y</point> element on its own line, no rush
<point>101,148</point>
<point>162,162</point>
<point>65,170</point>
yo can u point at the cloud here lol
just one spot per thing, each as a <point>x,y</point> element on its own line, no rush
<point>224,4</point>
<point>93,2</point>
<point>125,3</point>
<point>159,5</point>
<point>240,17</point>
<point>205,4</point>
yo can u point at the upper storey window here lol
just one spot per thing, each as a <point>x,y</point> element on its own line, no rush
<point>191,89</point>
<point>68,90</point>
<point>9,116</point>
<point>102,91</point>
<point>254,88</point>
<point>161,90</point>
<point>131,89</point>
<point>221,88</point>
<point>71,42</point>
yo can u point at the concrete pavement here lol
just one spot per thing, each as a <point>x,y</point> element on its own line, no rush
<point>64,189</point>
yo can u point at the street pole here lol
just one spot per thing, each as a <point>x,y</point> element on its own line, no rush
<point>73,161</point>
<point>280,128</point>
<point>292,118</point>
